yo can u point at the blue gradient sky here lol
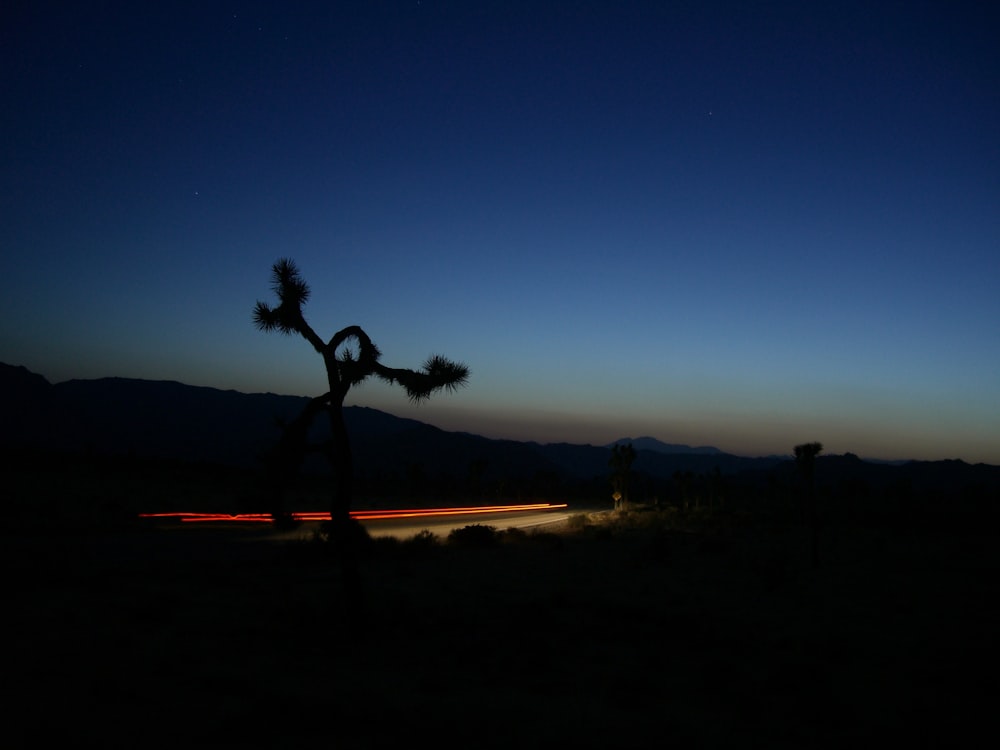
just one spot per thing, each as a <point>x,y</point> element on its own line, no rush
<point>738,224</point>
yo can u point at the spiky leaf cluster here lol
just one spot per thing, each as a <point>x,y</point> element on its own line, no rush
<point>808,451</point>
<point>438,372</point>
<point>292,292</point>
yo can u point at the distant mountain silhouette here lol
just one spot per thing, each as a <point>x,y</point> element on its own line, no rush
<point>658,446</point>
<point>167,419</point>
<point>171,420</point>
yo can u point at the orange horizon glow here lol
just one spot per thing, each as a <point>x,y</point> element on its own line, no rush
<point>360,515</point>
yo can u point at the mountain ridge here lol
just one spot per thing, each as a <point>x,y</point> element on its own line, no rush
<point>654,444</point>
<point>172,420</point>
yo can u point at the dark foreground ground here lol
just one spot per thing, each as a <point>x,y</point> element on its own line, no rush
<point>638,634</point>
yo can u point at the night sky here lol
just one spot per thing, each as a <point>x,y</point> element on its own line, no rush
<point>748,225</point>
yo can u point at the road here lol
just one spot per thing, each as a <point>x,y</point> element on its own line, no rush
<point>404,528</point>
<point>230,537</point>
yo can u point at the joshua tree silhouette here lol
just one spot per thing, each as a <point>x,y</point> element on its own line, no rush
<point>350,358</point>
<point>805,458</point>
<point>622,456</point>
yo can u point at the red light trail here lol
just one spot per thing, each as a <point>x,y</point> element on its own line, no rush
<point>360,515</point>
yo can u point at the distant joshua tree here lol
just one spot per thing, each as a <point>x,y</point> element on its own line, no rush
<point>350,358</point>
<point>622,456</point>
<point>805,458</point>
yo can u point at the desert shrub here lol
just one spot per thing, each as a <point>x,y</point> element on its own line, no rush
<point>386,546</point>
<point>578,521</point>
<point>310,547</point>
<point>424,538</point>
<point>546,539</point>
<point>604,530</point>
<point>513,535</point>
<point>422,545</point>
<point>476,536</point>
<point>320,541</point>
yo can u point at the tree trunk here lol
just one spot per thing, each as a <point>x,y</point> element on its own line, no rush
<point>342,463</point>
<point>286,459</point>
<point>814,522</point>
<point>345,534</point>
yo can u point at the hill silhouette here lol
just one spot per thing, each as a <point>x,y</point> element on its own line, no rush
<point>167,419</point>
<point>658,446</point>
<point>173,421</point>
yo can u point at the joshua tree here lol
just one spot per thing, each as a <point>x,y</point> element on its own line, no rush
<point>620,462</point>
<point>805,458</point>
<point>350,357</point>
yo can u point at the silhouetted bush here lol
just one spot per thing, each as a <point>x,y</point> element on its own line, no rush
<point>425,544</point>
<point>578,521</point>
<point>513,535</point>
<point>545,539</point>
<point>476,536</point>
<point>321,539</point>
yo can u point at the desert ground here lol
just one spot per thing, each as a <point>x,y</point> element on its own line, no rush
<point>611,630</point>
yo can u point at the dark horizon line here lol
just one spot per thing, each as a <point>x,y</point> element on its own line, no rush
<point>783,456</point>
